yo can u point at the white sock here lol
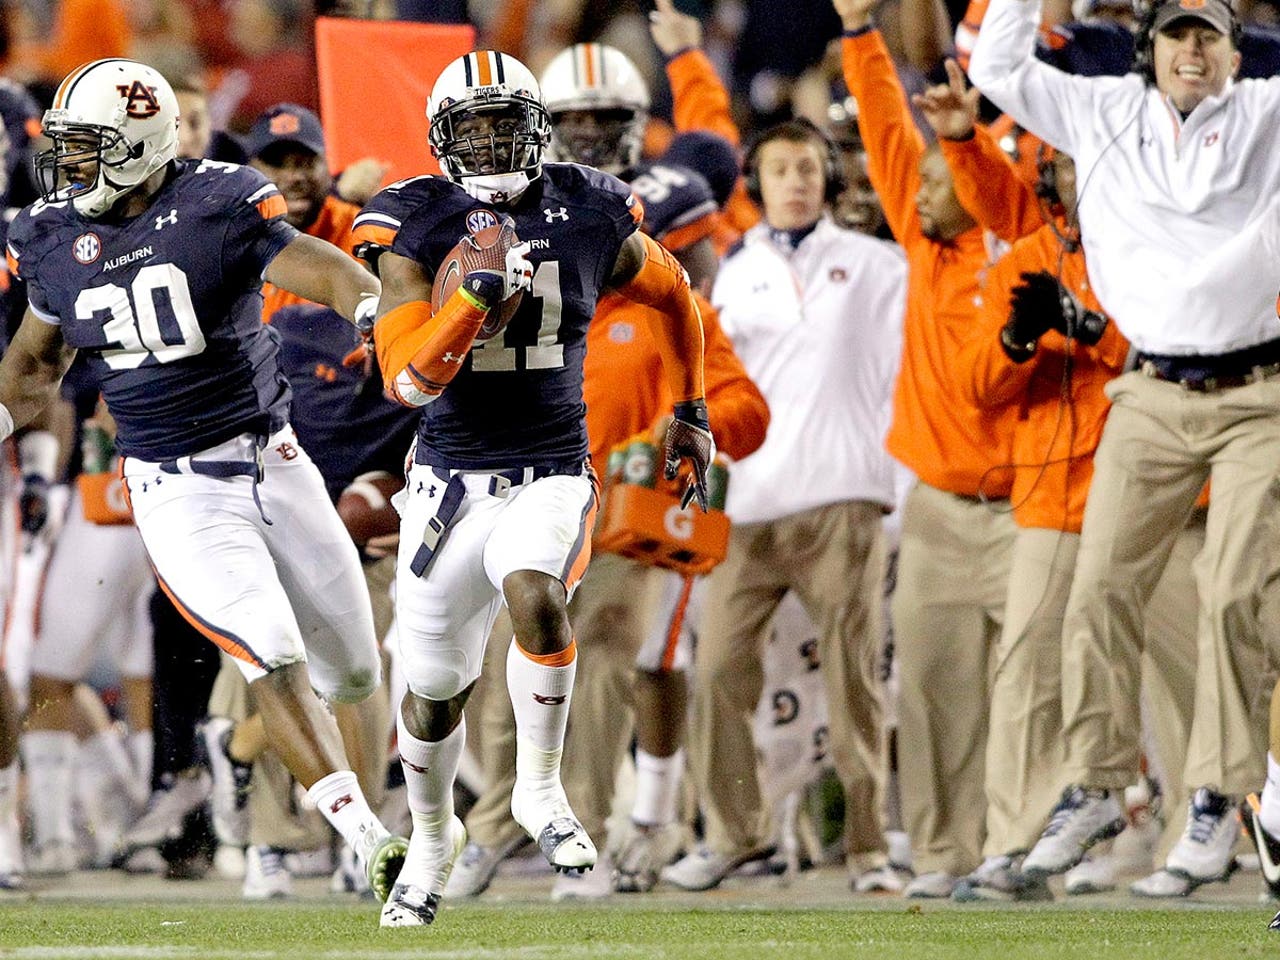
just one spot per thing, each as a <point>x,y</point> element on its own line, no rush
<point>141,746</point>
<point>103,781</point>
<point>657,788</point>
<point>430,769</point>
<point>540,692</point>
<point>340,801</point>
<point>107,753</point>
<point>50,760</point>
<point>1270,812</point>
<point>10,829</point>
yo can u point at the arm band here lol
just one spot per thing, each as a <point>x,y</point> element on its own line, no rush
<point>418,353</point>
<point>677,326</point>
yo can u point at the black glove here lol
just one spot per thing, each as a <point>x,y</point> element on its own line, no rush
<point>1034,309</point>
<point>33,503</point>
<point>689,436</point>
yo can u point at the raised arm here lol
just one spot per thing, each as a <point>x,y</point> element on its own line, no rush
<point>30,372</point>
<point>986,183</point>
<point>699,98</point>
<point>1044,100</point>
<point>894,145</point>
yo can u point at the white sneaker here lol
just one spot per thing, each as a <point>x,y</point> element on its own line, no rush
<point>545,815</point>
<point>1092,875</point>
<point>931,886</point>
<point>415,898</point>
<point>886,879</point>
<point>1081,819</point>
<point>11,865</point>
<point>231,781</point>
<point>56,858</point>
<point>1204,852</point>
<point>644,850</point>
<point>703,868</point>
<point>265,875</point>
<point>594,884</point>
<point>229,862</point>
<point>999,879</point>
<point>166,811</point>
<point>143,861</point>
<point>476,867</point>
<point>1163,884</point>
<point>349,876</point>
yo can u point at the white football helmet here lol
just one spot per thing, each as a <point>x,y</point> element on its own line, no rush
<point>488,126</point>
<point>600,80</point>
<point>113,124</point>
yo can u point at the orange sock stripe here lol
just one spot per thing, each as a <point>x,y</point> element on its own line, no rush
<point>675,321</point>
<point>431,348</point>
<point>224,641</point>
<point>561,658</point>
<point>676,624</point>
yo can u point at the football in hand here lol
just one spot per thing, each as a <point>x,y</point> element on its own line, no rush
<point>365,506</point>
<point>484,250</point>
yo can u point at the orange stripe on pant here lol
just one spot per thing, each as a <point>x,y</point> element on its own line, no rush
<point>581,553</point>
<point>232,644</point>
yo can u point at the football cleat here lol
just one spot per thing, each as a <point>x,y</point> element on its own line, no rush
<point>545,815</point>
<point>383,864</point>
<point>1268,846</point>
<point>409,906</point>
<point>415,898</point>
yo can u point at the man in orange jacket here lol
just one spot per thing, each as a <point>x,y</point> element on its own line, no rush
<point>953,563</point>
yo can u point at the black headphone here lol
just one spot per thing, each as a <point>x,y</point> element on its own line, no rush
<point>1144,43</point>
<point>799,129</point>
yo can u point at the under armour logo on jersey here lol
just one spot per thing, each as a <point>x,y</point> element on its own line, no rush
<point>548,701</point>
<point>142,102</point>
<point>1211,138</point>
<point>341,802</point>
<point>451,357</point>
<point>287,451</point>
<point>171,218</point>
<point>553,216</point>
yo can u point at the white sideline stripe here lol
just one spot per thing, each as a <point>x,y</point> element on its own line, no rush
<point>540,952</point>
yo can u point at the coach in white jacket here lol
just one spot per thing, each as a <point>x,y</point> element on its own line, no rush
<point>815,313</point>
<point>1178,169</point>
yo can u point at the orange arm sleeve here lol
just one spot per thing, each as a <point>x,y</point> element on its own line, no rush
<point>734,404</point>
<point>418,353</point>
<point>700,100</point>
<point>894,145</point>
<point>988,186</point>
<point>676,326</point>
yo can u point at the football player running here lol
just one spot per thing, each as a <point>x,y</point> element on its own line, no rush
<point>501,495</point>
<point>152,267</point>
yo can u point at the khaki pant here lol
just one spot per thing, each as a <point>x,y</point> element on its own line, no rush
<point>833,558</point>
<point>953,573</point>
<point>1159,446</point>
<point>1024,772</point>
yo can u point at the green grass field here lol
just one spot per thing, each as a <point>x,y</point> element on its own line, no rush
<point>888,930</point>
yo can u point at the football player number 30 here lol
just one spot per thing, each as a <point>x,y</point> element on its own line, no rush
<point>546,354</point>
<point>132,317</point>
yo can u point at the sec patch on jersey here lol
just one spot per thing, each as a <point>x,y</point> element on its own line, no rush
<point>365,506</point>
<point>483,249</point>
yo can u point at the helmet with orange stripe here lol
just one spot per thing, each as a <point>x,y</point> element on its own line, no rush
<point>488,126</point>
<point>113,124</point>
<point>599,105</point>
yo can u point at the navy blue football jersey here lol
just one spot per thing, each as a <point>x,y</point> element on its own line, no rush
<point>166,306</point>
<point>675,200</point>
<point>517,401</point>
<point>342,418</point>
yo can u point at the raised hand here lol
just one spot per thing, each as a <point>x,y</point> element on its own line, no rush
<point>854,14</point>
<point>949,108</point>
<point>672,30</point>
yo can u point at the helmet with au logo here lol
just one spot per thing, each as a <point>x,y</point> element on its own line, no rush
<point>113,124</point>
<point>488,125</point>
